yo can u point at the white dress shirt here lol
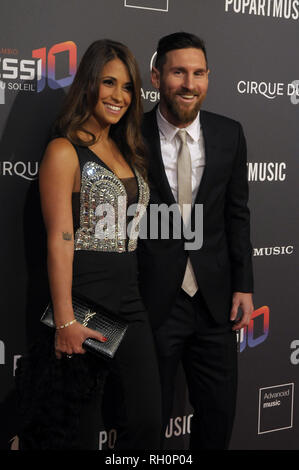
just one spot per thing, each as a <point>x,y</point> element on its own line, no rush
<point>170,146</point>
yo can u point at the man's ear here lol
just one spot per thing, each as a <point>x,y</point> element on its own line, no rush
<point>155,78</point>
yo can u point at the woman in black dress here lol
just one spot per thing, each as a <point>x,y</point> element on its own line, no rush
<point>96,162</point>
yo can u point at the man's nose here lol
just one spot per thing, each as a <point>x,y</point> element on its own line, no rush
<point>189,81</point>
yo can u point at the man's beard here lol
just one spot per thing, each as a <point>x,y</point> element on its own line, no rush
<point>180,113</point>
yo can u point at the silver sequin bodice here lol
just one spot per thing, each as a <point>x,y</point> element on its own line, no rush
<point>103,211</point>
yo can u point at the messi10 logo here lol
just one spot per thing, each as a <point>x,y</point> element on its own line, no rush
<point>42,69</point>
<point>47,65</point>
<point>257,331</point>
<point>39,70</point>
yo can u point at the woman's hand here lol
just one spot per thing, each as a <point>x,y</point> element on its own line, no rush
<point>69,340</point>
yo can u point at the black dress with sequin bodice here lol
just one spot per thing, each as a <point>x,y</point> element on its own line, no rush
<point>60,399</point>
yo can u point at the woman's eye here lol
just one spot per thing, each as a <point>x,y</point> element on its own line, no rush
<point>107,81</point>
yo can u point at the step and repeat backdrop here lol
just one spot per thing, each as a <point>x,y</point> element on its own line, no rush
<point>252,51</point>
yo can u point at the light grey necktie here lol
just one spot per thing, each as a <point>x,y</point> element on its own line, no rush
<point>185,198</point>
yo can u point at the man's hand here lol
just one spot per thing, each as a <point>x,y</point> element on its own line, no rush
<point>244,301</point>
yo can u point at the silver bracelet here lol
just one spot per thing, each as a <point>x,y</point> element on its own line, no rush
<point>66,324</point>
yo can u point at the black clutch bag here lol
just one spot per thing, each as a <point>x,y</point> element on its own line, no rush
<point>112,327</point>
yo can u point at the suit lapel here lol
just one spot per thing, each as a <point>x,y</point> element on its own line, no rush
<point>210,146</point>
<point>156,167</point>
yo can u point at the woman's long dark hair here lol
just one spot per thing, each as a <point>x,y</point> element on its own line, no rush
<point>83,96</point>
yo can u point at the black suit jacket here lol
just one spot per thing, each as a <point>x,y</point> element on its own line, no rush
<point>223,264</point>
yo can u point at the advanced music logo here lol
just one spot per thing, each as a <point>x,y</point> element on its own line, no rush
<point>276,407</point>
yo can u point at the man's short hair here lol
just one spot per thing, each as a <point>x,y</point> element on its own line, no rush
<point>180,40</point>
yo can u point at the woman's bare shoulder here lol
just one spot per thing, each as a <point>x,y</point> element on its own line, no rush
<point>61,146</point>
<point>60,151</point>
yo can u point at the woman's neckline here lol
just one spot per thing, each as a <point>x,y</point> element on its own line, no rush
<point>109,169</point>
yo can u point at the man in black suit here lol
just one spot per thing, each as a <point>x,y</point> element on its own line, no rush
<point>197,292</point>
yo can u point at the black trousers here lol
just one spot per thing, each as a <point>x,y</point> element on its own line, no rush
<point>208,352</point>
